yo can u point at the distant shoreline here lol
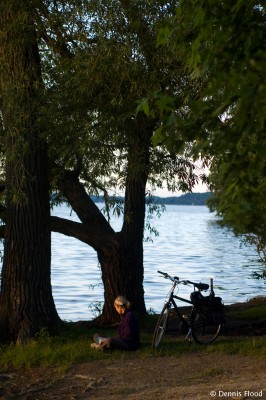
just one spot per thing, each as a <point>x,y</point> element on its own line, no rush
<point>187,199</point>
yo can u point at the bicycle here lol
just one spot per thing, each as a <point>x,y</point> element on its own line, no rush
<point>205,318</point>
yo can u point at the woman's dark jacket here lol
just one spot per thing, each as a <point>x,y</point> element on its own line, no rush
<point>128,330</point>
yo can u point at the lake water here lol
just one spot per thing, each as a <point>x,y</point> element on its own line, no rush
<point>190,245</point>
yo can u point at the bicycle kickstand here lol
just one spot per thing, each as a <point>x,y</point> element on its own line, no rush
<point>189,337</point>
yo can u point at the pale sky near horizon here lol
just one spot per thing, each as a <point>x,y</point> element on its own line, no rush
<point>199,188</point>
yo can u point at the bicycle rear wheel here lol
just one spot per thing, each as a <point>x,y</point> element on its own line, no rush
<point>203,329</point>
<point>161,326</point>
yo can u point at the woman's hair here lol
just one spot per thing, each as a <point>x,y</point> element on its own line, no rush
<point>122,301</point>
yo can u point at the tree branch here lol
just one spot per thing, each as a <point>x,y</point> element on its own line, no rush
<point>82,232</point>
<point>147,39</point>
<point>87,211</point>
<point>2,231</point>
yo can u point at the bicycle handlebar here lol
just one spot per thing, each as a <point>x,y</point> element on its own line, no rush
<point>200,286</point>
<point>165,274</point>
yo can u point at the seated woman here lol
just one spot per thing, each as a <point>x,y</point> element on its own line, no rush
<point>128,330</point>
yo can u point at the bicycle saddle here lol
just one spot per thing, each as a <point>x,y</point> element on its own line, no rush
<point>201,286</point>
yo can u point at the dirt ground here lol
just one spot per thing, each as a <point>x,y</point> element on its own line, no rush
<point>191,377</point>
<point>199,376</point>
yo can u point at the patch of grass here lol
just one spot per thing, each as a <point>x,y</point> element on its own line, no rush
<point>123,391</point>
<point>172,346</point>
<point>51,353</point>
<point>175,347</point>
<point>72,346</point>
<point>212,372</point>
<point>252,313</point>
<point>252,346</point>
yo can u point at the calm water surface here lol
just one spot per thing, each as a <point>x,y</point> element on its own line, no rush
<point>190,245</point>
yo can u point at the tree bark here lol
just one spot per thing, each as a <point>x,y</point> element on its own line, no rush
<point>120,253</point>
<point>26,303</point>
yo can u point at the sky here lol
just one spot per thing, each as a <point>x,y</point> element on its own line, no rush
<point>199,188</point>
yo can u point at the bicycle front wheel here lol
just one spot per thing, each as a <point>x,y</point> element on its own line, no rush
<point>161,326</point>
<point>203,330</point>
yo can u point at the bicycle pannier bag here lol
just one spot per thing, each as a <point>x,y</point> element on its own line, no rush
<point>216,308</point>
<point>197,298</point>
<point>213,306</point>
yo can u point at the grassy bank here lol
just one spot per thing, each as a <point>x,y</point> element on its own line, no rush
<point>72,345</point>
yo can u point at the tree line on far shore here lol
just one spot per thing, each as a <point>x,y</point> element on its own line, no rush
<point>187,199</point>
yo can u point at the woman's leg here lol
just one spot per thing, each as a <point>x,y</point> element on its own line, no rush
<point>102,342</point>
<point>118,344</point>
<point>98,338</point>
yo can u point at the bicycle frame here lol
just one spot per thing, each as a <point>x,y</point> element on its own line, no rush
<point>200,329</point>
<point>171,300</point>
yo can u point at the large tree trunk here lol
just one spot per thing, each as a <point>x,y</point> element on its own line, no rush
<point>26,303</point>
<point>122,274</point>
<point>122,266</point>
<point>120,253</point>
